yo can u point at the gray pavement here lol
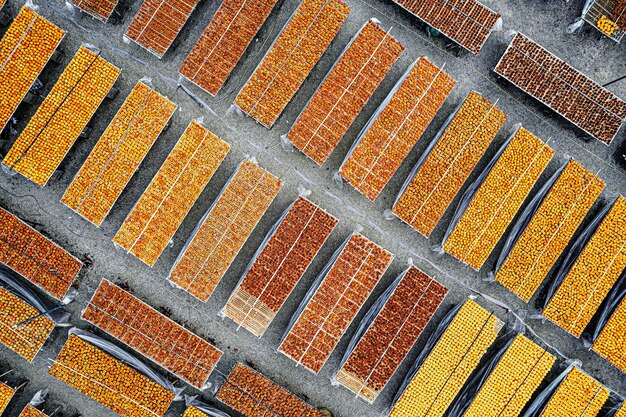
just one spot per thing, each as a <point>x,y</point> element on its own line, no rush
<point>543,20</point>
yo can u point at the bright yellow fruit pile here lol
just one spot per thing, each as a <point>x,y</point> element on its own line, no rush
<point>592,275</point>
<point>25,48</point>
<point>551,228</point>
<point>611,343</point>
<point>607,26</point>
<point>450,363</point>
<point>498,199</point>
<point>224,231</point>
<point>161,209</point>
<point>290,60</point>
<point>109,381</point>
<point>579,395</point>
<point>27,339</point>
<point>192,411</point>
<point>513,381</point>
<point>450,163</point>
<point>118,153</point>
<point>6,393</point>
<point>62,116</point>
<point>30,411</point>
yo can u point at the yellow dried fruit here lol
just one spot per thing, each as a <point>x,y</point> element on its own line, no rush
<point>192,411</point>
<point>578,395</point>
<point>118,153</point>
<point>107,380</point>
<point>25,48</point>
<point>6,394</point>
<point>611,343</point>
<point>592,275</point>
<point>161,209</point>
<point>498,199</point>
<point>450,363</point>
<point>291,58</point>
<point>62,116</point>
<point>607,26</point>
<point>549,231</point>
<point>27,339</point>
<point>30,411</point>
<point>451,161</point>
<point>513,381</point>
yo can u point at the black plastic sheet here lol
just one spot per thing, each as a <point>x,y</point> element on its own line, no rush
<point>612,406</point>
<point>606,310</point>
<point>477,380</point>
<point>469,194</point>
<point>541,401</point>
<point>572,255</point>
<point>369,317</point>
<point>428,347</point>
<point>524,219</point>
<point>12,283</point>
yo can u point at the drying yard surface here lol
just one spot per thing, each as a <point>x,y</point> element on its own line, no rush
<point>213,249</point>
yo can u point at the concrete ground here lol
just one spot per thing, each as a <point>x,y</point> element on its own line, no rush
<point>544,21</point>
